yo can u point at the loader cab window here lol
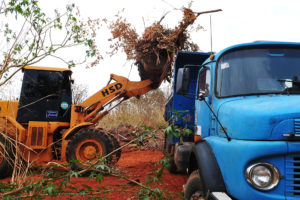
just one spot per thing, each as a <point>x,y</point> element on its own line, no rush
<point>45,84</point>
<point>45,96</point>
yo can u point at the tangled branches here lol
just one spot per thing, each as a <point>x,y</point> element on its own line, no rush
<point>155,50</point>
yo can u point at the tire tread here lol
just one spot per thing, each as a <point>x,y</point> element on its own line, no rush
<point>83,134</point>
<point>6,166</point>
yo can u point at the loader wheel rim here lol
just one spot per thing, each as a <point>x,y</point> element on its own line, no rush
<point>87,150</point>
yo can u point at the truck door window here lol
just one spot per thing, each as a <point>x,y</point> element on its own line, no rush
<point>204,82</point>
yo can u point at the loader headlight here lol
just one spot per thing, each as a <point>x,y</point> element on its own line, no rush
<point>262,176</point>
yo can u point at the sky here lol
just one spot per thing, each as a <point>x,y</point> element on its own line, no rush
<point>240,21</point>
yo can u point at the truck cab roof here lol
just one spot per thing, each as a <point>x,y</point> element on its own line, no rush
<point>253,45</point>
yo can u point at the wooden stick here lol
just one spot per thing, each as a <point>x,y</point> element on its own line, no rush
<point>209,11</point>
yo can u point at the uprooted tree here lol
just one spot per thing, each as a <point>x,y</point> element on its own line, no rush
<point>29,35</point>
<point>155,50</point>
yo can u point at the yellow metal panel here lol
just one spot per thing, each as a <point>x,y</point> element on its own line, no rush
<point>37,156</point>
<point>122,85</point>
<point>75,128</point>
<point>47,68</point>
<point>3,108</point>
<point>12,109</point>
<point>37,136</point>
<point>107,93</point>
<point>76,117</point>
<point>11,127</point>
<point>9,108</point>
<point>14,128</point>
<point>53,126</point>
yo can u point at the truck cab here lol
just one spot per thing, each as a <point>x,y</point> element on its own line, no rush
<point>247,113</point>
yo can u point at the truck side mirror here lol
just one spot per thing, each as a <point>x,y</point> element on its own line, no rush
<point>182,80</point>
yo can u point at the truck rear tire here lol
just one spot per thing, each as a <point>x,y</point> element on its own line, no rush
<point>194,187</point>
<point>84,146</point>
<point>7,151</point>
<point>172,168</point>
<point>169,151</point>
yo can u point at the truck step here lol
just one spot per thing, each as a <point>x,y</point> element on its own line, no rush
<point>219,196</point>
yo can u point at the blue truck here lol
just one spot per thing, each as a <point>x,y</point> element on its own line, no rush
<point>243,106</point>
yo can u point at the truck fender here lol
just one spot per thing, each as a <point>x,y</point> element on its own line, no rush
<point>70,132</point>
<point>208,167</point>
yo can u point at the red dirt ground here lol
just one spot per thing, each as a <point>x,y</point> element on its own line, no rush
<point>135,165</point>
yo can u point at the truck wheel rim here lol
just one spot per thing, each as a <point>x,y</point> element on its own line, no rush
<point>88,149</point>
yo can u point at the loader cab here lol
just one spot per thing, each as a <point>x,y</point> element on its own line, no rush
<point>45,95</point>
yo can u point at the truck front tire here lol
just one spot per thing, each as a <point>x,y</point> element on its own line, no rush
<point>194,187</point>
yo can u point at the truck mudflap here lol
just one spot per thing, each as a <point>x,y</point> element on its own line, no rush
<point>208,168</point>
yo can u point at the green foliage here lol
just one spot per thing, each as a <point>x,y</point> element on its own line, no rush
<point>50,190</point>
<point>176,131</point>
<point>31,36</point>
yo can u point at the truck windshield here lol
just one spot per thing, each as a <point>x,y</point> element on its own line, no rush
<point>258,71</point>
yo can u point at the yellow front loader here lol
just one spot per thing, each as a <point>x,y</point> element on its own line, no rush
<point>47,126</point>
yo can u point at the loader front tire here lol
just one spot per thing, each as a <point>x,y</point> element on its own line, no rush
<point>116,145</point>
<point>7,151</point>
<point>86,147</point>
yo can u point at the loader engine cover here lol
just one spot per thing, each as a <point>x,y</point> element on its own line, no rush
<point>45,96</point>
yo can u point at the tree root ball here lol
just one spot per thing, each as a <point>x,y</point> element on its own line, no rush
<point>154,67</point>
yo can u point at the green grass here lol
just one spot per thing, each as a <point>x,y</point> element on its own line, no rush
<point>148,111</point>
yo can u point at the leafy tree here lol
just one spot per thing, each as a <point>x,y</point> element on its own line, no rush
<point>28,35</point>
<point>79,93</point>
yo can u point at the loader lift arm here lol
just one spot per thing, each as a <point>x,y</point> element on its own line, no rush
<point>122,89</point>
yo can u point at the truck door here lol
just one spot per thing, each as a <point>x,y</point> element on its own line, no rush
<point>202,112</point>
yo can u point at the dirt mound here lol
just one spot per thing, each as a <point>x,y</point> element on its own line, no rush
<point>125,133</point>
